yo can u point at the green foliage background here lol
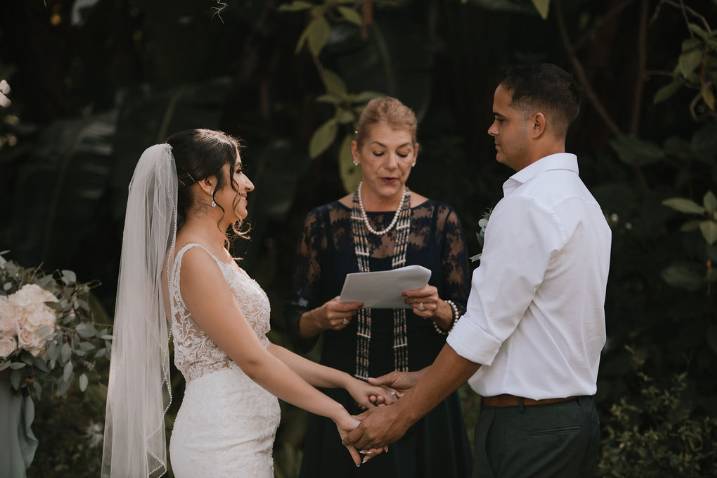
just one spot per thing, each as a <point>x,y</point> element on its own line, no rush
<point>94,85</point>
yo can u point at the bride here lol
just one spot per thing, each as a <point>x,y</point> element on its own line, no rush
<point>176,269</point>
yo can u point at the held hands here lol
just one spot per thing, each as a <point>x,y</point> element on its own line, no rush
<point>344,425</point>
<point>400,382</point>
<point>380,426</point>
<point>369,395</point>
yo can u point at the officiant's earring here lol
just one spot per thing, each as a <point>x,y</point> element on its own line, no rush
<point>355,162</point>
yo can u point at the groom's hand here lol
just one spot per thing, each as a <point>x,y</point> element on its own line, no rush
<point>379,427</point>
<point>401,382</point>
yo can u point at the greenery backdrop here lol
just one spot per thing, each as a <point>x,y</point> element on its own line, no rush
<point>96,81</point>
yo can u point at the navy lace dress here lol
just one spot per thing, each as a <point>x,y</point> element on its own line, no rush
<point>436,446</point>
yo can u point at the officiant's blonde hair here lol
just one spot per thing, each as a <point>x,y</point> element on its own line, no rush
<point>387,110</point>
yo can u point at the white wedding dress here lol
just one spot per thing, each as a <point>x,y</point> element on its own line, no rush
<point>226,424</point>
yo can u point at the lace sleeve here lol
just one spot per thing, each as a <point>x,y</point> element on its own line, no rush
<point>454,258</point>
<point>306,276</point>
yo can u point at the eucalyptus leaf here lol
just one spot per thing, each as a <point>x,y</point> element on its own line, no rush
<point>331,99</point>
<point>83,382</point>
<point>67,371</point>
<point>684,205</point>
<point>66,352</point>
<point>345,116</point>
<point>86,330</point>
<point>709,231</point>
<point>322,138</point>
<point>69,277</point>
<point>710,201</point>
<point>15,379</point>
<point>17,365</point>
<point>4,365</point>
<point>350,15</point>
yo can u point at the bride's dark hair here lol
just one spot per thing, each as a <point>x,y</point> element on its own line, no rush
<point>199,154</point>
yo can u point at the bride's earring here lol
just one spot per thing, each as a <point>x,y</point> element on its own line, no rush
<point>213,204</point>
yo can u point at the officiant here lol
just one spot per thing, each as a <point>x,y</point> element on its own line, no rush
<point>383,225</point>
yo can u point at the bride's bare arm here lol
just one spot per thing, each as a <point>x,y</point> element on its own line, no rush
<point>215,310</point>
<point>319,375</point>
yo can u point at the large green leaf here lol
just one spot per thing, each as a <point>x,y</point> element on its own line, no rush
<point>319,32</point>
<point>634,151</point>
<point>684,276</point>
<point>322,138</point>
<point>350,15</point>
<point>350,173</point>
<point>543,7</point>
<point>684,205</point>
<point>709,231</point>
<point>667,91</point>
<point>710,201</point>
<point>333,83</point>
<point>688,62</point>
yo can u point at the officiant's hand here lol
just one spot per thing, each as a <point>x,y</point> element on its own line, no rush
<point>335,315</point>
<point>380,426</point>
<point>424,301</point>
<point>369,396</point>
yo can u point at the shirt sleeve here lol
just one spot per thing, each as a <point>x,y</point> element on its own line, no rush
<point>520,239</point>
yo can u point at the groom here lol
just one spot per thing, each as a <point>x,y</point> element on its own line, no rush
<point>531,337</point>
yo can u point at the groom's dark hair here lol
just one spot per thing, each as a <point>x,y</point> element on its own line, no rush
<point>544,86</point>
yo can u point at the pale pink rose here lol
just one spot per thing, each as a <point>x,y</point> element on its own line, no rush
<point>31,294</point>
<point>35,320</point>
<point>7,346</point>
<point>8,318</point>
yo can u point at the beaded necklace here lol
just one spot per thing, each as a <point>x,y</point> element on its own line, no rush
<point>360,228</point>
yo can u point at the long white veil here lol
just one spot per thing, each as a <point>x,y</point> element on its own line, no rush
<point>139,389</point>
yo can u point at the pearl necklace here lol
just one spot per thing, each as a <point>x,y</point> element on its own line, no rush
<point>364,217</point>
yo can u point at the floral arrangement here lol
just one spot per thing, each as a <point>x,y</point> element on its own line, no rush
<point>48,337</point>
<point>480,233</point>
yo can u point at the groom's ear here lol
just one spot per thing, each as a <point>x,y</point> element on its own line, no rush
<point>539,123</point>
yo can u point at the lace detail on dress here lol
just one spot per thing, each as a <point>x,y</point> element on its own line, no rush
<point>195,354</point>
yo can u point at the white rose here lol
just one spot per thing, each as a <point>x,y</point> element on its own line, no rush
<point>7,346</point>
<point>35,320</point>
<point>31,294</point>
<point>36,325</point>
<point>8,318</point>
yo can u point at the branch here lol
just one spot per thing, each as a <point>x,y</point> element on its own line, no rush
<point>641,68</point>
<point>601,23</point>
<point>580,73</point>
<point>587,86</point>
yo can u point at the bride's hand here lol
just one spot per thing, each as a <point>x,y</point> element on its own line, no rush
<point>344,425</point>
<point>367,395</point>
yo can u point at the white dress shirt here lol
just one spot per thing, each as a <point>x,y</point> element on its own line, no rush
<point>535,319</point>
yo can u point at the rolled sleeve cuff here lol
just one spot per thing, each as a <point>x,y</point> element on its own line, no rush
<point>473,343</point>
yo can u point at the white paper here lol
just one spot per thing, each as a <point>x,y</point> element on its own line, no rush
<point>382,290</point>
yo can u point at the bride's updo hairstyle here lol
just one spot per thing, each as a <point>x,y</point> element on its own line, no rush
<point>387,110</point>
<point>200,154</point>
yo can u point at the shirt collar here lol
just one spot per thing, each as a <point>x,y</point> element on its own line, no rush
<point>565,161</point>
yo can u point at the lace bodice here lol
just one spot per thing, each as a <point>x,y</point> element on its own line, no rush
<point>195,354</point>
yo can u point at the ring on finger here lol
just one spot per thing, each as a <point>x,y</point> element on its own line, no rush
<point>345,321</point>
<point>421,306</point>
